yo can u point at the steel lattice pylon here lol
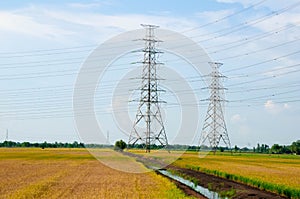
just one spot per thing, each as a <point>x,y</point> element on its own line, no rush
<point>148,118</point>
<point>214,128</point>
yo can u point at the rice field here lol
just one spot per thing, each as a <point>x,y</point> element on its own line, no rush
<point>278,169</point>
<point>74,173</point>
<point>276,173</point>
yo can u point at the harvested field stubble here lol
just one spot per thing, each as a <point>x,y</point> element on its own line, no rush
<point>74,173</point>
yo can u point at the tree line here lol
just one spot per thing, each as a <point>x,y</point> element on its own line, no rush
<point>294,148</point>
<point>42,145</point>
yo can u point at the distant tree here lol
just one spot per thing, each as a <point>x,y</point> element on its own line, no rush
<point>222,149</point>
<point>75,144</point>
<point>267,148</point>
<point>36,145</point>
<point>236,148</point>
<point>44,145</point>
<point>25,144</point>
<point>120,145</point>
<point>245,149</point>
<point>258,148</point>
<point>295,147</point>
<point>286,149</point>
<point>264,148</point>
<point>276,148</point>
<point>81,145</point>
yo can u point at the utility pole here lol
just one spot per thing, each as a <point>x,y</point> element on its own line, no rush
<point>148,127</point>
<point>214,128</point>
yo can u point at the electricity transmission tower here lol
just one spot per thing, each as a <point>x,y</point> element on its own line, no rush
<point>214,129</point>
<point>148,127</point>
<point>107,138</point>
<point>6,137</point>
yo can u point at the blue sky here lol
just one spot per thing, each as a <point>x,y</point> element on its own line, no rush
<point>124,7</point>
<point>45,43</point>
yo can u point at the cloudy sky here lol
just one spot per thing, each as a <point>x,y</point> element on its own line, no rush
<point>45,43</point>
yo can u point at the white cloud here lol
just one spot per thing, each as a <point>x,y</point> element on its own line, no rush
<point>214,15</point>
<point>237,118</point>
<point>243,2</point>
<point>92,4</point>
<point>277,15</point>
<point>273,5</point>
<point>279,20</point>
<point>85,5</point>
<point>68,25</point>
<point>269,104</point>
<point>286,106</point>
<point>274,108</point>
<point>278,71</point>
<point>19,23</point>
<point>124,22</point>
<point>239,129</point>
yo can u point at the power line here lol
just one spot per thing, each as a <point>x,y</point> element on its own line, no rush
<point>193,80</point>
<point>260,50</point>
<point>94,45</point>
<point>263,62</point>
<point>264,96</point>
<point>230,28</point>
<point>226,17</point>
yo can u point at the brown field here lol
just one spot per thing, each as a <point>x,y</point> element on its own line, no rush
<point>74,173</point>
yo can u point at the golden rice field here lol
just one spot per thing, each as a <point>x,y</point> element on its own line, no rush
<point>276,173</point>
<point>277,169</point>
<point>74,173</point>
